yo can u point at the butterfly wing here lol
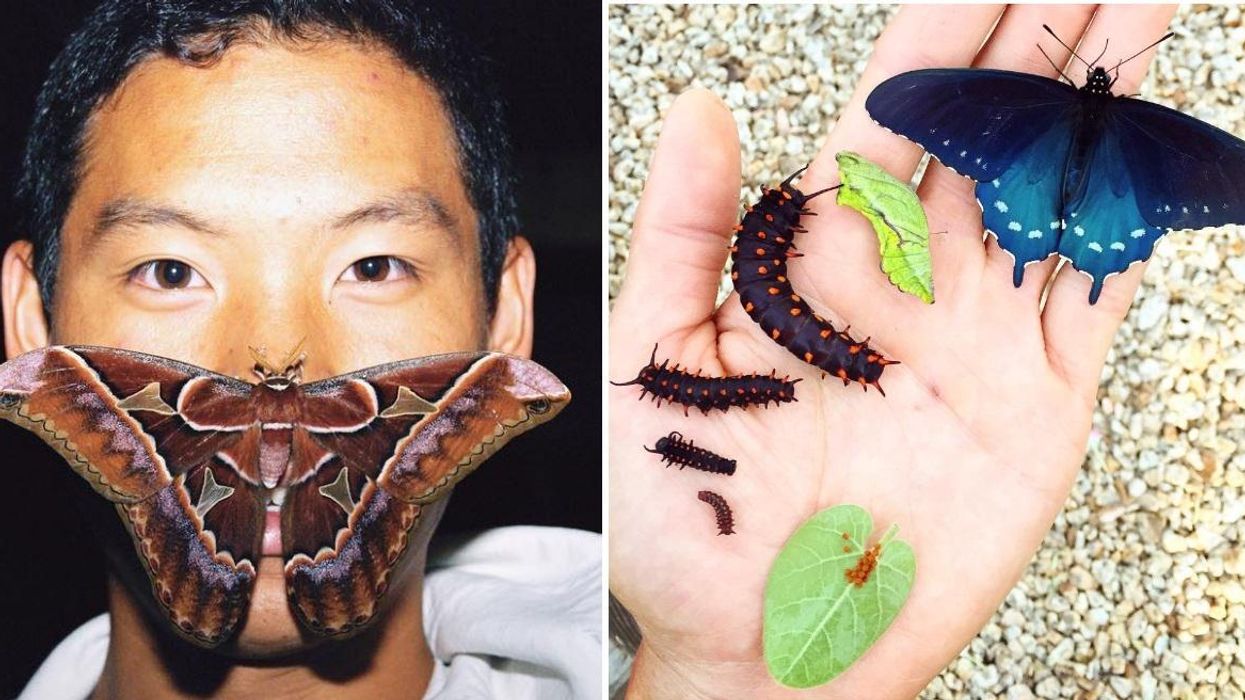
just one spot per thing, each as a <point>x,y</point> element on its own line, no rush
<point>975,121</point>
<point>1020,206</point>
<point>432,421</point>
<point>1185,172</point>
<point>111,414</point>
<point>1011,132</point>
<point>1151,169</point>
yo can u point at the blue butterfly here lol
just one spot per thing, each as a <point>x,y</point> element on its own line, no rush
<point>1093,176</point>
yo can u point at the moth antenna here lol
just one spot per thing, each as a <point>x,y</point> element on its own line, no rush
<point>1069,48</point>
<point>295,356</point>
<point>1052,65</point>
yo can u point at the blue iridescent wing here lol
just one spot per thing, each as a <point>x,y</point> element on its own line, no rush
<point>975,121</point>
<point>1152,169</point>
<point>1105,229</point>
<point>1011,132</point>
<point>1187,173</point>
<point>1021,205</point>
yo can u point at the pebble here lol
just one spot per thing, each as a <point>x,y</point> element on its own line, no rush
<point>1154,526</point>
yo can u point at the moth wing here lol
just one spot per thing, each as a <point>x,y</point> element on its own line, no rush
<point>114,416</point>
<point>199,537</point>
<point>111,414</point>
<point>434,420</point>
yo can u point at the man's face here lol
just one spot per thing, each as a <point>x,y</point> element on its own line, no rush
<point>280,196</point>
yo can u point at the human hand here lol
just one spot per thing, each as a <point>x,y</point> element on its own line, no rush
<point>973,450</point>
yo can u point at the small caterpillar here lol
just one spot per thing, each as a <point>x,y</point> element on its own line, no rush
<point>675,450</point>
<point>726,522</point>
<point>859,574</point>
<point>674,385</point>
<point>763,243</point>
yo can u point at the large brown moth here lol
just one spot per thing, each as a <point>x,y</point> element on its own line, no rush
<point>200,465</point>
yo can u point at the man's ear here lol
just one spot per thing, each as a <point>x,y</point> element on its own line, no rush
<point>25,326</point>
<point>511,328</point>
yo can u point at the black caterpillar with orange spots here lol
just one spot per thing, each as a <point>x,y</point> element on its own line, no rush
<point>675,450</point>
<point>726,521</point>
<point>674,385</point>
<point>763,244</point>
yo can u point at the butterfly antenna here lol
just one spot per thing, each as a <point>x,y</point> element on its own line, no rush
<point>1069,48</point>
<point>1165,38</point>
<point>1052,65</point>
<point>1105,44</point>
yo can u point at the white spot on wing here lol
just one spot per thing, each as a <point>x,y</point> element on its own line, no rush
<point>1117,246</point>
<point>1137,232</point>
<point>1015,226</point>
<point>1035,234</point>
<point>1094,246</point>
<point>1001,206</point>
<point>1078,230</point>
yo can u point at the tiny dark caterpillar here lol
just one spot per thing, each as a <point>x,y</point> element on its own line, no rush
<point>763,243</point>
<point>675,450</point>
<point>726,522</point>
<point>674,385</point>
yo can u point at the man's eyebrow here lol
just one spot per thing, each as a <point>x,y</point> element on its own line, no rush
<point>127,211</point>
<point>415,205</point>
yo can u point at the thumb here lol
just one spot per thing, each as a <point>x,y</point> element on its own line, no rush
<point>683,224</point>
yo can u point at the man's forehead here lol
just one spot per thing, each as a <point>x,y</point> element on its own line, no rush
<point>299,124</point>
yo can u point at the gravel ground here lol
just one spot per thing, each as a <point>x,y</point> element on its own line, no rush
<point>1138,589</point>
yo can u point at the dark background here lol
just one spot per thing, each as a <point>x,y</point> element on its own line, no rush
<point>547,57</point>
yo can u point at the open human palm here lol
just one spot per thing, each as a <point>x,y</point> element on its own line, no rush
<point>975,445</point>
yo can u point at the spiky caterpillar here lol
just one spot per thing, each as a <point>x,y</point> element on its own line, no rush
<point>722,511</point>
<point>764,242</point>
<point>675,450</point>
<point>674,385</point>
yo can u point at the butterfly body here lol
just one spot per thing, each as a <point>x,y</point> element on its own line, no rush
<point>1092,176</point>
<point>209,473</point>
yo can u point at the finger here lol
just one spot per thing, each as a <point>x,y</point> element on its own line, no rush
<point>919,36</point>
<point>685,219</point>
<point>1078,335</point>
<point>1016,44</point>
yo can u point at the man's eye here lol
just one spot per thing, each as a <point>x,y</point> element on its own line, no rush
<point>380,268</point>
<point>167,274</point>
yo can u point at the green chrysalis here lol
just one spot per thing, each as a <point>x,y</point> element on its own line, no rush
<point>898,220</point>
<point>829,596</point>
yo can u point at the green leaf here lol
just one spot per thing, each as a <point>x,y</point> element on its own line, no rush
<point>898,220</point>
<point>817,622</point>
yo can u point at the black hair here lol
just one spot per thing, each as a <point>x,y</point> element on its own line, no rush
<point>118,34</point>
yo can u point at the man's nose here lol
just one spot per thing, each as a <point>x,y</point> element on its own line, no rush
<point>279,333</point>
